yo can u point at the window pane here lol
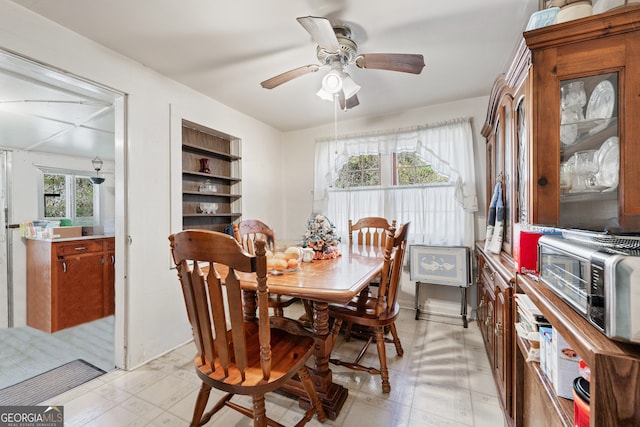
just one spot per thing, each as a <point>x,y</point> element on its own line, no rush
<point>370,177</point>
<point>359,171</point>
<point>84,197</point>
<point>411,169</point>
<point>55,196</point>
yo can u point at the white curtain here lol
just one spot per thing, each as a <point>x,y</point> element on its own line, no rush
<point>439,214</point>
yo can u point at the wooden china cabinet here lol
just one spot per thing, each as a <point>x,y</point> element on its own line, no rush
<point>507,136</point>
<point>563,140</point>
<point>586,79</point>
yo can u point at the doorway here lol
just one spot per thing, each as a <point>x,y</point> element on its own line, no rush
<point>50,118</point>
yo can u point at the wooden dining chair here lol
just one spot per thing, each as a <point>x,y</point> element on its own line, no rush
<point>375,312</point>
<point>245,357</point>
<point>369,233</point>
<point>247,232</point>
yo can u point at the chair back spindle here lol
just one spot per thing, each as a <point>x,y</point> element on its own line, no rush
<point>389,292</point>
<point>369,231</point>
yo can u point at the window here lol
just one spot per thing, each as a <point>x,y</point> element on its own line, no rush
<point>412,169</point>
<point>368,170</point>
<point>441,210</point>
<point>360,171</point>
<point>67,195</point>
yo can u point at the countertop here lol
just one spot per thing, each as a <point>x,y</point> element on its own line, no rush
<point>69,239</point>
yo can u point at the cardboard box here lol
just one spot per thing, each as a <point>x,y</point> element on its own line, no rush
<point>545,350</point>
<point>525,248</point>
<point>565,366</point>
<point>66,232</point>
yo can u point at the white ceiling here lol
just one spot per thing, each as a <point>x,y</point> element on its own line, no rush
<point>225,49</point>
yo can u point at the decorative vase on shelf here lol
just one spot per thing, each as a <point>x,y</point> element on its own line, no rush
<point>204,165</point>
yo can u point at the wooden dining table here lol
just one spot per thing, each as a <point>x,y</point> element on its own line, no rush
<point>322,282</point>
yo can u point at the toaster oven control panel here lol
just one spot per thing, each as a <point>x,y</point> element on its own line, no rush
<point>596,296</point>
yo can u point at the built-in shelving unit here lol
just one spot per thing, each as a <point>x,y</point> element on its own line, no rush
<point>211,178</point>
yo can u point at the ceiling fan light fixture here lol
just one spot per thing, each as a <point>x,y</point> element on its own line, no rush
<point>332,82</point>
<point>349,87</point>
<point>324,95</point>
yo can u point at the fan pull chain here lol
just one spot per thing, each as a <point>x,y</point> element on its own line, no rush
<point>335,121</point>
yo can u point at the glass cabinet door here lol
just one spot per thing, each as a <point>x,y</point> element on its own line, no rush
<point>589,152</point>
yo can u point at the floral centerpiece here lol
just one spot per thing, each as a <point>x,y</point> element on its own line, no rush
<point>321,237</point>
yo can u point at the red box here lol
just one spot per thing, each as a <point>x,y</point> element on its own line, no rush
<point>525,250</point>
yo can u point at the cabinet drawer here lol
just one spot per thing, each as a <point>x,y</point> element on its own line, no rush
<point>109,244</point>
<point>78,247</point>
<point>488,276</point>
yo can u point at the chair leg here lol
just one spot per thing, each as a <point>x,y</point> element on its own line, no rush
<point>201,404</point>
<point>382,356</point>
<point>313,395</point>
<point>362,298</point>
<point>396,340</point>
<point>347,331</point>
<point>333,336</point>
<point>259,411</point>
<point>307,318</point>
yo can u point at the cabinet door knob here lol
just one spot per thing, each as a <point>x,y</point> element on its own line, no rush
<point>542,181</point>
<point>64,267</point>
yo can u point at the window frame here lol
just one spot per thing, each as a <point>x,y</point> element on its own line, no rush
<point>388,172</point>
<point>70,202</point>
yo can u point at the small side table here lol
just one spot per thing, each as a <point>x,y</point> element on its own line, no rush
<point>463,303</point>
<point>441,265</point>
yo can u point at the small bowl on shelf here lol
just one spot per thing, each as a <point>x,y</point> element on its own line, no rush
<point>208,208</point>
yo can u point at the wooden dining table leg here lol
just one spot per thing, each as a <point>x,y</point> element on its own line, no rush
<point>331,394</point>
<point>249,305</point>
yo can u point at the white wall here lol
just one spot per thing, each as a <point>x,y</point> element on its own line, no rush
<point>299,166</point>
<point>146,288</point>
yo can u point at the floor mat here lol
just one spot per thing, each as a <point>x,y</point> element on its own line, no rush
<point>49,384</point>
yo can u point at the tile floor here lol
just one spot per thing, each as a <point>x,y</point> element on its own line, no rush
<point>25,351</point>
<point>444,379</point>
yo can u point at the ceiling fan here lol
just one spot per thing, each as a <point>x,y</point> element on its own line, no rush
<point>336,49</point>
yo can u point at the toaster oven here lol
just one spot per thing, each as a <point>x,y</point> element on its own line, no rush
<point>602,283</point>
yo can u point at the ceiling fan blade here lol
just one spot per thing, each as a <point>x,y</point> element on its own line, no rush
<point>404,62</point>
<point>289,75</point>
<point>321,32</point>
<point>350,103</point>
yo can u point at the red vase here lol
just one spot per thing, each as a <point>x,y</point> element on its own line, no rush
<point>204,165</point>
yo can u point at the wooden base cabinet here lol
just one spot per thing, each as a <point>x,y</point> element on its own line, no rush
<point>495,283</point>
<point>536,127</point>
<point>69,282</point>
<point>615,370</point>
